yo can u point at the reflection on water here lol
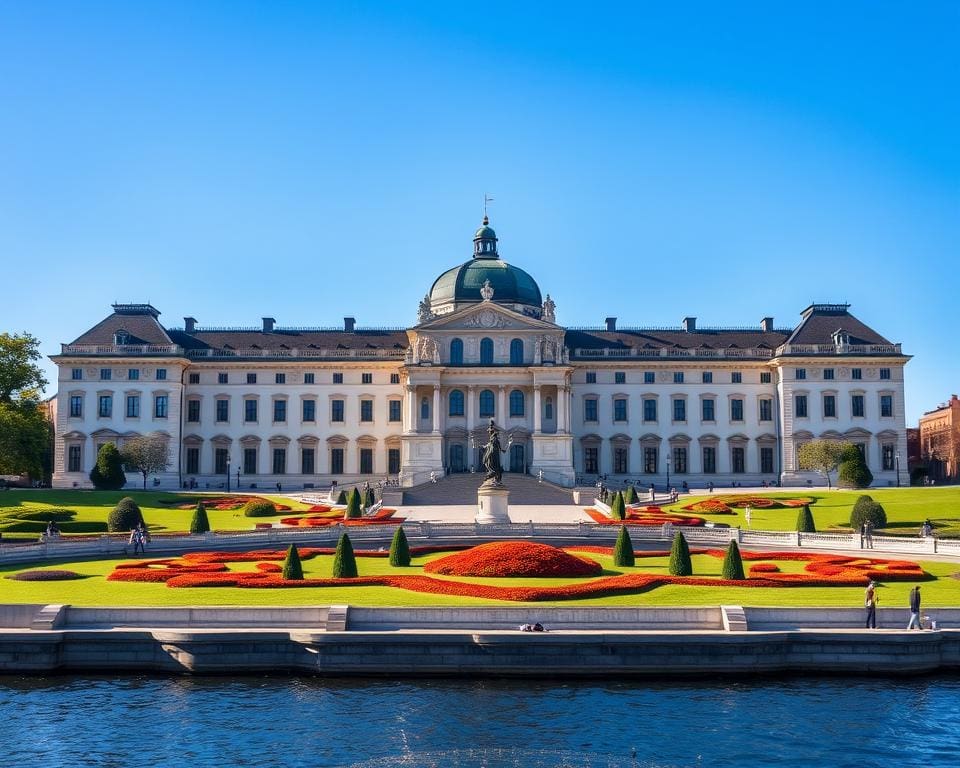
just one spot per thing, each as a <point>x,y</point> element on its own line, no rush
<point>260,721</point>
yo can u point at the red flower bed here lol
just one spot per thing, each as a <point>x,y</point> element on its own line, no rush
<point>643,517</point>
<point>335,516</point>
<point>724,503</point>
<point>764,568</point>
<point>514,558</point>
<point>225,503</point>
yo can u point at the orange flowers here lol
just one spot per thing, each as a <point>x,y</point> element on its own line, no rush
<point>514,558</point>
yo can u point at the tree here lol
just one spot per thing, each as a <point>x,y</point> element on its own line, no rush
<point>853,471</point>
<point>733,563</point>
<point>24,430</point>
<point>200,522</point>
<point>292,567</point>
<point>124,516</point>
<point>617,507</point>
<point>399,549</point>
<point>344,561</point>
<point>680,562</point>
<point>147,454</point>
<point>353,505</point>
<point>822,456</point>
<point>623,549</point>
<point>805,522</point>
<point>107,474</point>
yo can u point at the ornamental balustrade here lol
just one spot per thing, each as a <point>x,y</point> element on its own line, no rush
<point>838,349</point>
<point>671,353</point>
<point>121,349</point>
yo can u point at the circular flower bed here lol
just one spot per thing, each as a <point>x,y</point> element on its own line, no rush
<point>514,558</point>
<point>52,575</point>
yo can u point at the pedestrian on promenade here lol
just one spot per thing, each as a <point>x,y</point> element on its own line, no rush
<point>868,534</point>
<point>746,514</point>
<point>870,603</point>
<point>915,609</point>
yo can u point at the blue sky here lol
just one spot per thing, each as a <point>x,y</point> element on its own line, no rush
<point>309,161</point>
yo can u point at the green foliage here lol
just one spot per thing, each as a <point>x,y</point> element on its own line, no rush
<point>124,516</point>
<point>733,564</point>
<point>854,472</point>
<point>259,508</point>
<point>623,549</point>
<point>680,562</point>
<point>805,522</point>
<point>369,499</point>
<point>147,454</point>
<point>45,515</point>
<point>399,549</point>
<point>353,505</point>
<point>24,430</point>
<point>108,474</point>
<point>617,507</point>
<point>822,456</point>
<point>200,523</point>
<point>292,567</point>
<point>342,497</point>
<point>630,495</point>
<point>344,561</point>
<point>868,510</point>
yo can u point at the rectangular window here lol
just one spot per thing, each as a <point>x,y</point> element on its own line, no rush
<point>393,461</point>
<point>338,378</point>
<point>366,378</point>
<point>366,461</point>
<point>73,459</point>
<point>590,410</point>
<point>800,373</point>
<point>620,461</point>
<point>133,374</point>
<point>766,409</point>
<point>884,373</point>
<point>308,378</point>
<point>249,410</point>
<point>193,410</point>
<point>194,378</point>
<point>77,374</point>
<point>856,406</point>
<point>279,461</point>
<point>708,409</point>
<point>620,409</point>
<point>249,461</point>
<point>680,460</point>
<point>591,377</point>
<point>856,373</point>
<point>251,378</point>
<point>336,410</point>
<point>888,458</point>
<point>223,378</point>
<point>650,409</point>
<point>736,377</point>
<point>106,374</point>
<point>766,459</point>
<point>737,459</point>
<point>161,374</point>
<point>279,411</point>
<point>366,410</point>
<point>649,377</point>
<point>280,378</point>
<point>393,410</point>
<point>133,406</point>
<point>650,460</point>
<point>886,406</point>
<point>736,409</point>
<point>220,461</point>
<point>828,374</point>
<point>193,461</point>
<point>829,406</point>
<point>309,408</point>
<point>105,406</point>
<point>678,377</point>
<point>336,461</point>
<point>160,406</point>
<point>307,461</point>
<point>679,409</point>
<point>620,377</point>
<point>709,459</point>
<point>766,377</point>
<point>76,406</point>
<point>590,464</point>
<point>223,409</point>
<point>394,378</point>
<point>707,377</point>
<point>800,406</point>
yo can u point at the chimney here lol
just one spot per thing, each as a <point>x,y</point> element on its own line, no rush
<point>689,324</point>
<point>268,324</point>
<point>766,324</point>
<point>348,323</point>
<point>189,324</point>
<point>611,323</point>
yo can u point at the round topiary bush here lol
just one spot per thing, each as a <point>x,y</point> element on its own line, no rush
<point>854,473</point>
<point>871,511</point>
<point>259,508</point>
<point>124,516</point>
<point>51,575</point>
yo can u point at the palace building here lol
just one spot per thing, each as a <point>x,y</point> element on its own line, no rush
<point>305,406</point>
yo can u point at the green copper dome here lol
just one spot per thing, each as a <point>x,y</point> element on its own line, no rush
<point>511,285</point>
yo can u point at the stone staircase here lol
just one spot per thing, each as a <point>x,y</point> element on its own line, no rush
<point>462,489</point>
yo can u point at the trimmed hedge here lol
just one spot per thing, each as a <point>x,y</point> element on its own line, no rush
<point>292,567</point>
<point>854,472</point>
<point>45,515</point>
<point>124,516</point>
<point>344,561</point>
<point>733,563</point>
<point>630,495</point>
<point>399,549</point>
<point>805,522</point>
<point>51,575</point>
<point>353,506</point>
<point>680,562</point>
<point>869,510</point>
<point>107,474</point>
<point>260,509</point>
<point>342,497</point>
<point>623,549</point>
<point>200,522</point>
<point>617,507</point>
<point>37,526</point>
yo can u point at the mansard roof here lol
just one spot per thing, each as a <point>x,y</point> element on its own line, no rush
<point>821,321</point>
<point>281,339</point>
<point>140,321</point>
<point>675,338</point>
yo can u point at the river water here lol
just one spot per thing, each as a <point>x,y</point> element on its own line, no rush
<point>150,721</point>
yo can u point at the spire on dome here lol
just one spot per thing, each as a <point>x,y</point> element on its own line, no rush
<point>485,241</point>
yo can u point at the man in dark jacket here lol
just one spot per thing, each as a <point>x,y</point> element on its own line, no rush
<point>915,609</point>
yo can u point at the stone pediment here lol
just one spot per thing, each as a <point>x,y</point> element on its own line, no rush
<point>485,316</point>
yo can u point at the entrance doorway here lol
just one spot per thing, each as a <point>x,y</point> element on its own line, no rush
<point>457,463</point>
<point>517,463</point>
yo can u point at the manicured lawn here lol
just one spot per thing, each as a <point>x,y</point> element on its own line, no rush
<point>95,590</point>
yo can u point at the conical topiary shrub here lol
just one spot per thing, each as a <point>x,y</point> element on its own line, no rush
<point>200,522</point>
<point>630,495</point>
<point>342,497</point>
<point>353,505</point>
<point>680,563</point>
<point>733,563</point>
<point>805,522</point>
<point>617,507</point>
<point>623,549</point>
<point>369,499</point>
<point>292,567</point>
<point>399,549</point>
<point>344,561</point>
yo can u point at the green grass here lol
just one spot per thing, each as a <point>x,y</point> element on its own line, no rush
<point>943,591</point>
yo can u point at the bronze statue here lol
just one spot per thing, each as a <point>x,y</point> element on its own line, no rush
<point>491,455</point>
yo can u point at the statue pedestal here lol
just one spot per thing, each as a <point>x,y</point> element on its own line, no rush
<point>492,504</point>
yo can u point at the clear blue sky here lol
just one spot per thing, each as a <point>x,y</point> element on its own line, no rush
<point>649,160</point>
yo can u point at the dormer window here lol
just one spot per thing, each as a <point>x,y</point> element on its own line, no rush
<point>121,337</point>
<point>840,337</point>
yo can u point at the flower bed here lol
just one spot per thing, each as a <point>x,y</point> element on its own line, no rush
<point>335,516</point>
<point>223,503</point>
<point>764,568</point>
<point>724,504</point>
<point>652,516</point>
<point>514,558</point>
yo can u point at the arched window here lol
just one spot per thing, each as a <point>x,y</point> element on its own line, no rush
<point>486,351</point>
<point>456,352</point>
<point>516,352</point>
<point>548,409</point>
<point>425,409</point>
<point>456,403</point>
<point>486,403</point>
<point>516,403</point>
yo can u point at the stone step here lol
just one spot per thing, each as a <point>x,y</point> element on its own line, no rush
<point>462,489</point>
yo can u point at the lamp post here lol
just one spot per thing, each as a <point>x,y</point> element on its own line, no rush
<point>896,457</point>
<point>668,474</point>
<point>228,473</point>
<point>238,477</point>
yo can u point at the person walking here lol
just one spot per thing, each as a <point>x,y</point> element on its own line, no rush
<point>868,534</point>
<point>915,609</point>
<point>746,514</point>
<point>870,603</point>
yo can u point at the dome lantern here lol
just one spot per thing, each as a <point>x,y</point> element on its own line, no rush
<point>485,241</point>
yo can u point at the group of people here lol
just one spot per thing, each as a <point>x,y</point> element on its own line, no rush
<point>871,598</point>
<point>538,627</point>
